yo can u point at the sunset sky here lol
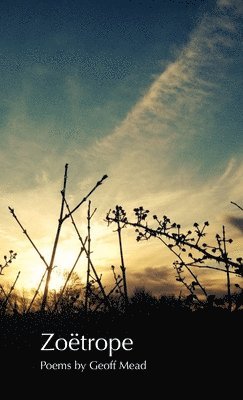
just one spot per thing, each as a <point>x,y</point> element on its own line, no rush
<point>147,92</point>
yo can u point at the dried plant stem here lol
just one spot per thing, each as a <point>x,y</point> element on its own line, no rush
<point>225,255</point>
<point>5,295</point>
<point>27,235</point>
<point>116,279</point>
<point>36,292</point>
<point>214,268</point>
<point>38,252</point>
<point>123,268</point>
<point>153,233</point>
<point>5,303</point>
<point>87,291</point>
<point>237,205</point>
<point>110,293</point>
<point>60,221</point>
<point>70,212</point>
<point>186,266</point>
<point>67,280</point>
<point>98,280</point>
<point>188,287</point>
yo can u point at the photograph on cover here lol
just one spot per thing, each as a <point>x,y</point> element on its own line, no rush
<point>121,208</point>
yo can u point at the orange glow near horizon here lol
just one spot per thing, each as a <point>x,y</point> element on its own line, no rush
<point>140,258</point>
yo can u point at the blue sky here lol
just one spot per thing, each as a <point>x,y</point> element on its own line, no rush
<point>149,92</point>
<point>112,48</point>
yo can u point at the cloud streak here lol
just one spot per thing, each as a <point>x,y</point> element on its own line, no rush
<point>179,91</point>
<point>146,149</point>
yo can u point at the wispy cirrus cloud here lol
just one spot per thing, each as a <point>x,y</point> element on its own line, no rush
<point>186,84</point>
<point>150,150</point>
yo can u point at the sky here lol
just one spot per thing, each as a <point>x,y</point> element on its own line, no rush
<point>148,92</point>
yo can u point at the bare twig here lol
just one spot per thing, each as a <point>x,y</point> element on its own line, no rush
<point>4,305</point>
<point>109,294</point>
<point>6,295</point>
<point>86,252</point>
<point>237,205</point>
<point>123,268</point>
<point>178,243</point>
<point>87,291</point>
<point>116,279</point>
<point>213,268</point>
<point>186,266</point>
<point>27,235</point>
<point>60,221</point>
<point>70,212</point>
<point>121,220</point>
<point>7,260</point>
<point>225,255</point>
<point>181,279</point>
<point>36,292</point>
<point>153,233</point>
<point>67,280</point>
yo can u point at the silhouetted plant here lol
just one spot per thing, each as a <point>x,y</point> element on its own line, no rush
<point>237,205</point>
<point>238,297</point>
<point>8,295</point>
<point>190,287</point>
<point>95,278</point>
<point>172,302</point>
<point>189,248</point>
<point>49,266</point>
<point>5,300</point>
<point>68,277</point>
<point>142,301</point>
<point>71,299</point>
<point>59,226</point>
<point>12,211</point>
<point>7,260</point>
<point>118,281</point>
<point>4,294</point>
<point>117,298</point>
<point>121,220</point>
<point>19,302</point>
<point>88,288</point>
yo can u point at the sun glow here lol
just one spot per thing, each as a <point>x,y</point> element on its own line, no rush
<point>64,262</point>
<point>57,280</point>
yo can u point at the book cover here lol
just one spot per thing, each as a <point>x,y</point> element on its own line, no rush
<point>121,187</point>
